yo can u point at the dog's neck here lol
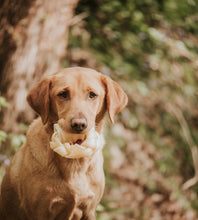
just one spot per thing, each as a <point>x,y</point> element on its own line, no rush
<point>69,168</point>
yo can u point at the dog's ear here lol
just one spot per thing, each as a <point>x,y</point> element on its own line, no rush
<point>39,99</point>
<point>116,98</point>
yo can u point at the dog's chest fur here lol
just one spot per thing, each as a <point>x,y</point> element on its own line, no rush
<point>86,181</point>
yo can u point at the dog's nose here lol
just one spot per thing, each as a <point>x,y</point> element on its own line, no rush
<point>78,124</point>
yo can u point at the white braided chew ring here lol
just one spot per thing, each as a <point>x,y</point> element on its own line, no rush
<point>93,142</point>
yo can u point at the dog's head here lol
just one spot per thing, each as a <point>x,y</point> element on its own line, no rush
<point>77,99</point>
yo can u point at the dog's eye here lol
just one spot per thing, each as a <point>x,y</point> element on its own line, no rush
<point>64,94</point>
<point>92,95</point>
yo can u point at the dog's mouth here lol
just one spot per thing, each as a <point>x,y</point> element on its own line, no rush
<point>79,141</point>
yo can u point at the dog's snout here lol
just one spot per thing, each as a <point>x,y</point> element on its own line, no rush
<point>78,124</point>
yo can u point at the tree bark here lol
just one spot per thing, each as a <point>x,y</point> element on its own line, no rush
<point>33,41</point>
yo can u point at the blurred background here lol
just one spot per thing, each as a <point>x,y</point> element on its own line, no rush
<point>150,47</point>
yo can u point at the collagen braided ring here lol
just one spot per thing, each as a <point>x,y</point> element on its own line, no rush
<point>91,144</point>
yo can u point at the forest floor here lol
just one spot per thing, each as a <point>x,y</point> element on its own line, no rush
<point>135,189</point>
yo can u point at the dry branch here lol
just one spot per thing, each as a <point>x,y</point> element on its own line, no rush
<point>174,110</point>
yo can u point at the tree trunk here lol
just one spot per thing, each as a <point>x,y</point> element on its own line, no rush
<point>33,39</point>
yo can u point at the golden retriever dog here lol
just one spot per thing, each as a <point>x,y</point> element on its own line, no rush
<point>58,173</point>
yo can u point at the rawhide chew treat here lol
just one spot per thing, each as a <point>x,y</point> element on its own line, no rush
<point>92,143</point>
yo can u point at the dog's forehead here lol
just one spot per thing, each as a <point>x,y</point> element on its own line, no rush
<point>77,76</point>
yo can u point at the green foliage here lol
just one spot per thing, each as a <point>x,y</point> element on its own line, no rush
<point>9,142</point>
<point>15,140</point>
<point>3,136</point>
<point>3,103</point>
<point>124,33</point>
